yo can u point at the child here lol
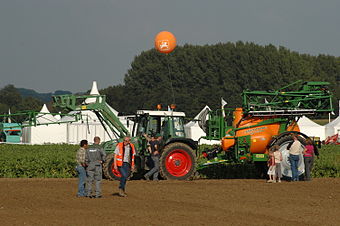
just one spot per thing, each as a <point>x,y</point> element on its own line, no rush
<point>277,158</point>
<point>271,165</point>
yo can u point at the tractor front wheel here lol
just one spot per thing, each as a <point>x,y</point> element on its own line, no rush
<point>177,162</point>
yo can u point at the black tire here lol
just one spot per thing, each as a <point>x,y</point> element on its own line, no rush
<point>177,162</point>
<point>108,168</point>
<point>283,143</point>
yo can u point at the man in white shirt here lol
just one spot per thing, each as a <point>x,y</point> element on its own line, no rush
<point>295,151</point>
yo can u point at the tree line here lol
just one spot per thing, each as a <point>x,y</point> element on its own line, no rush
<point>193,76</point>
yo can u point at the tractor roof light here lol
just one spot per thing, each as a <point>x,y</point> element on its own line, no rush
<point>172,106</point>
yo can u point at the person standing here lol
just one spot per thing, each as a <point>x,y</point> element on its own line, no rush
<point>124,161</point>
<point>271,167</point>
<point>278,159</point>
<point>295,150</point>
<point>94,158</point>
<point>154,151</point>
<point>308,157</point>
<point>81,168</point>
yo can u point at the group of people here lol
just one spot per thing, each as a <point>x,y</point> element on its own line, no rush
<point>295,150</point>
<point>89,167</point>
<point>91,158</point>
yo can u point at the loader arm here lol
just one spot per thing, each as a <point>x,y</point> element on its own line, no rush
<point>97,104</point>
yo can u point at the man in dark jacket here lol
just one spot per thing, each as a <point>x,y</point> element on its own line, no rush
<point>155,153</point>
<point>94,158</point>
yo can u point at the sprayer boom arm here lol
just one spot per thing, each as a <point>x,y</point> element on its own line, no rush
<point>310,98</point>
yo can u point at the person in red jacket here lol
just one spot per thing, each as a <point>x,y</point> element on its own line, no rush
<point>124,161</point>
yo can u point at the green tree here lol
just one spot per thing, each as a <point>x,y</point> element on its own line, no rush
<point>193,76</point>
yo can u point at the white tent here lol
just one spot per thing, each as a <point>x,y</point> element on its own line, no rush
<point>41,134</point>
<point>333,127</point>
<point>311,128</point>
<point>71,132</point>
<point>57,116</point>
<point>45,118</point>
<point>194,131</point>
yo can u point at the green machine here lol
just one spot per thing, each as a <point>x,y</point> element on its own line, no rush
<point>178,158</point>
<point>178,155</point>
<point>10,132</point>
<point>266,118</point>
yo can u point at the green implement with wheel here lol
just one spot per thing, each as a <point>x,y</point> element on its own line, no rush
<point>266,118</point>
<point>177,157</point>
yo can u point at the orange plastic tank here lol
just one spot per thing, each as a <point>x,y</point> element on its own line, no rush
<point>260,135</point>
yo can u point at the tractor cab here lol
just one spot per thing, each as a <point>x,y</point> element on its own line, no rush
<point>168,124</point>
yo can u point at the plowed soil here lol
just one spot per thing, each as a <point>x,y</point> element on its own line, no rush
<point>198,202</point>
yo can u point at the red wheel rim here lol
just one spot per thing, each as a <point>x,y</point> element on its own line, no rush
<point>115,172</point>
<point>178,163</point>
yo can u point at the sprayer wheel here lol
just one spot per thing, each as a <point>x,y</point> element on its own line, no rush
<point>283,142</point>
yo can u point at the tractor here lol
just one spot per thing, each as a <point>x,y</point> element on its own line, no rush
<point>178,153</point>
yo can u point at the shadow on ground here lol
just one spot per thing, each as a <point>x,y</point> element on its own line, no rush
<point>233,171</point>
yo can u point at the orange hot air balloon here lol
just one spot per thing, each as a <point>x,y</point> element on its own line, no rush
<point>165,42</point>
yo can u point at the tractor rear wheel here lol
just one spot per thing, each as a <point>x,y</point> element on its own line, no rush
<point>283,143</point>
<point>177,162</point>
<point>108,169</point>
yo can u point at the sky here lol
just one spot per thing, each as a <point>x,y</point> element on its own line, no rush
<point>49,45</point>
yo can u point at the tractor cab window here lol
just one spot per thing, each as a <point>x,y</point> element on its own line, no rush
<point>154,125</point>
<point>142,126</point>
<point>178,127</point>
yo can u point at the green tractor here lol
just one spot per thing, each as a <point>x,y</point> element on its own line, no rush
<point>177,159</point>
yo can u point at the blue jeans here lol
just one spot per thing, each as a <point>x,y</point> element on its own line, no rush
<point>125,171</point>
<point>294,161</point>
<point>155,170</point>
<point>82,178</point>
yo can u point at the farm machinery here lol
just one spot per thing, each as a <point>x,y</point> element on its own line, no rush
<point>266,118</point>
<point>246,134</point>
<point>10,132</point>
<point>178,158</point>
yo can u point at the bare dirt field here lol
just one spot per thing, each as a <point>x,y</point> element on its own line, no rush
<point>198,202</point>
